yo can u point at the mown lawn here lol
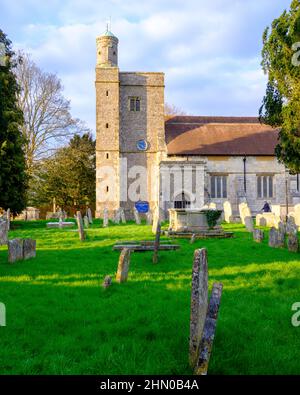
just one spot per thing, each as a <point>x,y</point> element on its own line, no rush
<point>61,321</point>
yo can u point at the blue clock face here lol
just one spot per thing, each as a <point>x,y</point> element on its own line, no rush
<point>142,145</point>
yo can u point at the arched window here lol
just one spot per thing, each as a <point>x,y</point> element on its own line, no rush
<point>182,201</point>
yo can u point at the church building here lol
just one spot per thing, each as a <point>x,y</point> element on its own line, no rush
<point>177,161</point>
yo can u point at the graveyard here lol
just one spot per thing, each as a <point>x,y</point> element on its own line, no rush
<point>63,321</point>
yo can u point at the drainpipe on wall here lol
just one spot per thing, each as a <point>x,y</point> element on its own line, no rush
<point>245,181</point>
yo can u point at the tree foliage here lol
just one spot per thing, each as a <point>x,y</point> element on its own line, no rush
<point>69,175</point>
<point>48,122</point>
<point>13,181</point>
<point>281,104</point>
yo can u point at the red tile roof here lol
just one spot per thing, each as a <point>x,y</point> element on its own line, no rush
<point>193,135</point>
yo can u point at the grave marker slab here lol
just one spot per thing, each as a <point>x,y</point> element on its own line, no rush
<point>227,212</point>
<point>199,303</point>
<point>80,226</point>
<point>123,219</point>
<point>292,242</point>
<point>3,232</point>
<point>249,224</point>
<point>90,216</point>
<point>105,218</point>
<point>276,238</point>
<point>86,221</point>
<point>258,235</point>
<point>123,266</point>
<point>15,250</point>
<point>107,282</point>
<point>29,249</point>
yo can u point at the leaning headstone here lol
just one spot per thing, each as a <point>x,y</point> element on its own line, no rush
<point>149,218</point>
<point>15,250</point>
<point>117,216</point>
<point>107,282</point>
<point>292,242</point>
<point>156,243</point>
<point>209,329</point>
<point>227,212</point>
<point>276,238</point>
<point>123,219</point>
<point>249,224</point>
<point>90,216</point>
<point>86,221</point>
<point>193,238</point>
<point>137,216</point>
<point>199,302</point>
<point>3,232</point>
<point>258,235</point>
<point>29,249</point>
<point>80,226</point>
<point>123,266</point>
<point>105,218</point>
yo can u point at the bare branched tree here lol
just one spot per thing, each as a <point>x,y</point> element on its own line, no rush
<point>171,109</point>
<point>47,119</point>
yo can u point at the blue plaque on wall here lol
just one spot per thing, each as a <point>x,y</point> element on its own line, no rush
<point>142,207</point>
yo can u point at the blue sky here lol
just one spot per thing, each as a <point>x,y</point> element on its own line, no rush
<point>209,50</point>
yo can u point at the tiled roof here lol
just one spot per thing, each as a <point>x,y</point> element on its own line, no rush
<point>193,135</point>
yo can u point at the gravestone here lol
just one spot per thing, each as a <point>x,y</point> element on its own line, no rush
<point>29,249</point>
<point>249,224</point>
<point>258,235</point>
<point>227,212</point>
<point>156,243</point>
<point>15,250</point>
<point>292,242</point>
<point>291,227</point>
<point>86,221</point>
<point>80,226</point>
<point>297,214</point>
<point>276,238</point>
<point>105,218</point>
<point>107,282</point>
<point>123,266</point>
<point>199,303</point>
<point>149,218</point>
<point>281,227</point>
<point>8,219</point>
<point>193,238</point>
<point>90,216</point>
<point>117,216</point>
<point>209,329</point>
<point>122,213</point>
<point>3,232</point>
<point>137,216</point>
<point>244,211</point>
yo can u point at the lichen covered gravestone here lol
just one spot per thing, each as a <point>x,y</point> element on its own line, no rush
<point>15,250</point>
<point>29,249</point>
<point>105,218</point>
<point>258,235</point>
<point>80,226</point>
<point>123,266</point>
<point>199,303</point>
<point>276,238</point>
<point>117,216</point>
<point>292,242</point>
<point>3,232</point>
<point>249,224</point>
<point>86,221</point>
<point>90,216</point>
<point>123,218</point>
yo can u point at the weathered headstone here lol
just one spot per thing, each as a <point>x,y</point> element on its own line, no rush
<point>199,303</point>
<point>105,218</point>
<point>90,216</point>
<point>193,238</point>
<point>123,266</point>
<point>291,227</point>
<point>276,238</point>
<point>209,329</point>
<point>258,235</point>
<point>249,224</point>
<point>156,243</point>
<point>117,216</point>
<point>80,226</point>
<point>227,212</point>
<point>137,216</point>
<point>155,220</point>
<point>8,219</point>
<point>15,250</point>
<point>297,214</point>
<point>29,249</point>
<point>244,211</point>
<point>281,227</point>
<point>123,219</point>
<point>107,282</point>
<point>292,242</point>
<point>86,221</point>
<point>3,232</point>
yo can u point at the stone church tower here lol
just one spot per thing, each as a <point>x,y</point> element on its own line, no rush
<point>130,132</point>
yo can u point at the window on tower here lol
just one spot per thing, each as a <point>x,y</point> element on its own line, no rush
<point>134,104</point>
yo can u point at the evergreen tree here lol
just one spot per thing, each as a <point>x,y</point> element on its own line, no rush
<point>281,104</point>
<point>13,180</point>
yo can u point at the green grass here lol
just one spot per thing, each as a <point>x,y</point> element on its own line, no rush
<point>61,321</point>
